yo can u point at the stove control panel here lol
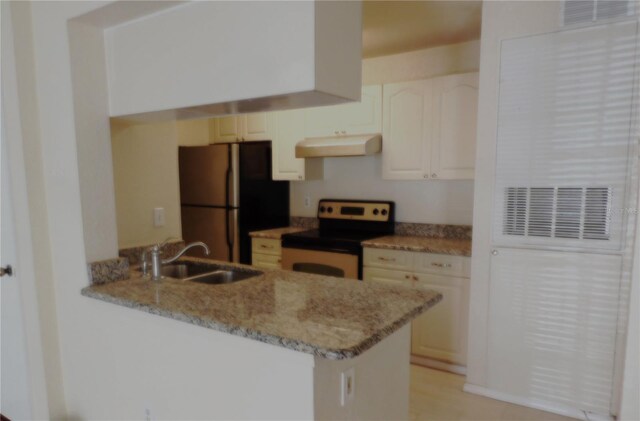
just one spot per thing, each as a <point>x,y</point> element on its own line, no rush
<point>361,211</point>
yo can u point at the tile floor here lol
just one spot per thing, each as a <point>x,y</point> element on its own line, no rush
<point>438,396</point>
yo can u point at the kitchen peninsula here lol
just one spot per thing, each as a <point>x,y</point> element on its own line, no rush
<point>315,332</point>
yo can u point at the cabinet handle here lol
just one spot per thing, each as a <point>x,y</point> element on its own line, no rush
<point>441,265</point>
<point>336,132</point>
<point>426,176</point>
<point>434,175</point>
<point>415,278</point>
<point>407,277</point>
<point>266,247</point>
<point>343,132</point>
<point>279,260</point>
<point>386,259</point>
<point>299,177</point>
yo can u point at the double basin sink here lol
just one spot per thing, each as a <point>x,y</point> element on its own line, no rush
<point>206,273</point>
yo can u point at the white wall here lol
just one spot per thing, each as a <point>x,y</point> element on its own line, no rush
<point>145,173</point>
<point>430,201</point>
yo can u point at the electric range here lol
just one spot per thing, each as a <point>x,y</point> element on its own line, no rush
<point>335,248</point>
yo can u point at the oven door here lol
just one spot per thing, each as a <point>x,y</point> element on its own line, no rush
<point>341,265</point>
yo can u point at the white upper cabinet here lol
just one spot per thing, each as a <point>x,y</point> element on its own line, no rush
<point>406,133</point>
<point>455,107</point>
<point>257,126</point>
<point>347,119</point>
<point>243,128</point>
<point>225,129</point>
<point>429,128</point>
<point>289,130</point>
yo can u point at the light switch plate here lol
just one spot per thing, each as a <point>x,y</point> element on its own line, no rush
<point>158,217</point>
<point>348,386</point>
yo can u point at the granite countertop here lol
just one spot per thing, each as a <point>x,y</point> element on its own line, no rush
<point>456,247</point>
<point>276,233</point>
<point>334,318</point>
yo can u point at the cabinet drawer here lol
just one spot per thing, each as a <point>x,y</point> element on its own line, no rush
<point>443,264</point>
<point>266,261</point>
<point>393,277</point>
<point>388,259</point>
<point>266,246</point>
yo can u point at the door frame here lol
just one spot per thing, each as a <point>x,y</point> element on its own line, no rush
<point>24,264</point>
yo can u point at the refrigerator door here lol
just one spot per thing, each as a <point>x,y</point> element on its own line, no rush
<point>205,175</point>
<point>210,226</point>
<point>264,202</point>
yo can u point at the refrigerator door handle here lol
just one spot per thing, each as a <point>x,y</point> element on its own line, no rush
<point>233,177</point>
<point>232,226</point>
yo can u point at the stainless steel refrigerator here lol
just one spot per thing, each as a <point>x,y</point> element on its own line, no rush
<point>226,191</point>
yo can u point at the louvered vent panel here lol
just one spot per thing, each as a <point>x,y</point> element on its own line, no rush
<point>564,124</point>
<point>574,212</point>
<point>584,11</point>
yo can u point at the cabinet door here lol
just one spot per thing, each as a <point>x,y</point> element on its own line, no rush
<point>441,332</point>
<point>406,126</point>
<point>289,131</point>
<point>365,116</point>
<point>257,126</point>
<point>322,121</point>
<point>455,108</point>
<point>394,277</point>
<point>226,129</point>
<point>362,117</point>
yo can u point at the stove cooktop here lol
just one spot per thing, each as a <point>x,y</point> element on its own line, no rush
<point>327,240</point>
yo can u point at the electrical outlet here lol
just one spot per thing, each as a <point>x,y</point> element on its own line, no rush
<point>307,201</point>
<point>348,386</point>
<point>158,217</point>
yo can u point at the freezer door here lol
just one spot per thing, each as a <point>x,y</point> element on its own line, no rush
<point>208,225</point>
<point>205,175</point>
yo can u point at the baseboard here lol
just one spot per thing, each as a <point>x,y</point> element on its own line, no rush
<point>555,408</point>
<point>438,365</point>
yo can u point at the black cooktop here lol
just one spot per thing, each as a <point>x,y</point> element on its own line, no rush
<point>340,241</point>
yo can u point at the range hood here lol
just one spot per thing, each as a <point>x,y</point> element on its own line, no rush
<point>358,145</point>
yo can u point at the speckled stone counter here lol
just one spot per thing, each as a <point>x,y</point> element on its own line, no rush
<point>328,317</point>
<point>276,233</point>
<point>456,247</point>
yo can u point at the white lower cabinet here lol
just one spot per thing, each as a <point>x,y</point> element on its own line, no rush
<point>440,334</point>
<point>266,253</point>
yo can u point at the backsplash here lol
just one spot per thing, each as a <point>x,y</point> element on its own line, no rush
<point>108,270</point>
<point>458,232</point>
<point>133,254</point>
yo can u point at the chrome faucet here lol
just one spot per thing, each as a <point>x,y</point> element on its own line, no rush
<point>157,261</point>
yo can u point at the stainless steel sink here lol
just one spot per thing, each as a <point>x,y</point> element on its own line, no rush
<point>206,273</point>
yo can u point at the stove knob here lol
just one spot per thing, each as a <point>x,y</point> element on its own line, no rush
<point>322,209</point>
<point>384,212</point>
<point>329,209</point>
<point>376,211</point>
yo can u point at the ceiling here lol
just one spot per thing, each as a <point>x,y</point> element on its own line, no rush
<point>391,27</point>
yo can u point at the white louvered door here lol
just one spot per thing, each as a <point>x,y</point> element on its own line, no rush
<point>562,174</point>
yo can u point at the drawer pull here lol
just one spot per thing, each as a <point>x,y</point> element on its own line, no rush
<point>386,259</point>
<point>441,265</point>
<point>407,277</point>
<point>279,260</point>
<point>266,247</point>
<point>415,278</point>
